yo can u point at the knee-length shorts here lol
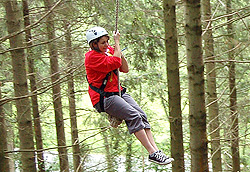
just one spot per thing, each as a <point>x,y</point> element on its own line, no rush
<point>125,108</point>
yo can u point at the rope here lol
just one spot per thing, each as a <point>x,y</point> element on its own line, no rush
<point>116,28</point>
<point>114,122</point>
<point>116,15</point>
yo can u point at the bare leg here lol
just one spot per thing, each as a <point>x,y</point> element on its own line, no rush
<point>151,139</point>
<point>143,138</point>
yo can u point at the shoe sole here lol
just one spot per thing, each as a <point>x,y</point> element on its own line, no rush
<point>166,163</point>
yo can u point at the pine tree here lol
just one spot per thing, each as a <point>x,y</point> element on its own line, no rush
<point>33,88</point>
<point>56,89</point>
<point>195,66</point>
<point>233,95</point>
<point>213,110</point>
<point>174,92</point>
<point>4,159</point>
<point>24,119</point>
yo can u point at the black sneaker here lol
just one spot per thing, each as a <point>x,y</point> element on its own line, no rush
<point>160,158</point>
<point>160,151</point>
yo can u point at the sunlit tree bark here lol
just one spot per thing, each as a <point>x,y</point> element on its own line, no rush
<point>4,159</point>
<point>72,101</point>
<point>174,93</point>
<point>195,66</point>
<point>10,136</point>
<point>129,155</point>
<point>108,155</point>
<point>233,95</point>
<point>24,119</point>
<point>56,89</point>
<point>212,100</point>
<point>33,88</point>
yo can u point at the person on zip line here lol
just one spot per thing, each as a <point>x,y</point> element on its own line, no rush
<point>101,64</point>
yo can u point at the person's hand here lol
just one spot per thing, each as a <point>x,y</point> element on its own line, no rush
<point>116,35</point>
<point>117,49</point>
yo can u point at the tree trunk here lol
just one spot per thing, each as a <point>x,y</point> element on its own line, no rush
<point>72,104</point>
<point>174,95</point>
<point>56,89</point>
<point>4,159</point>
<point>129,155</point>
<point>32,78</point>
<point>109,158</point>
<point>233,97</point>
<point>213,111</point>
<point>10,135</point>
<point>195,66</point>
<point>20,86</point>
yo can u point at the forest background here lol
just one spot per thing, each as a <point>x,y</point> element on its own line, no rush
<point>43,45</point>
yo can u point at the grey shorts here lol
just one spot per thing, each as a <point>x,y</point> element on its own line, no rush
<point>125,108</point>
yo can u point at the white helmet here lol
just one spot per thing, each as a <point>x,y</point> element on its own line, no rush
<point>95,32</point>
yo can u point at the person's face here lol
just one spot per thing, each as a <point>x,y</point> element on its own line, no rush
<point>103,44</point>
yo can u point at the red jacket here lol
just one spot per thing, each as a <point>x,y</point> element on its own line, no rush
<point>97,66</point>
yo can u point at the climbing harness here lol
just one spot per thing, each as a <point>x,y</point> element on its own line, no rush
<point>114,122</point>
<point>104,94</point>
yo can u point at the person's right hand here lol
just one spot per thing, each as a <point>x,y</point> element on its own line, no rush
<point>117,49</point>
<point>116,35</point>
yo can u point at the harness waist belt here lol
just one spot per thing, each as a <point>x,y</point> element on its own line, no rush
<point>106,94</point>
<point>102,92</point>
